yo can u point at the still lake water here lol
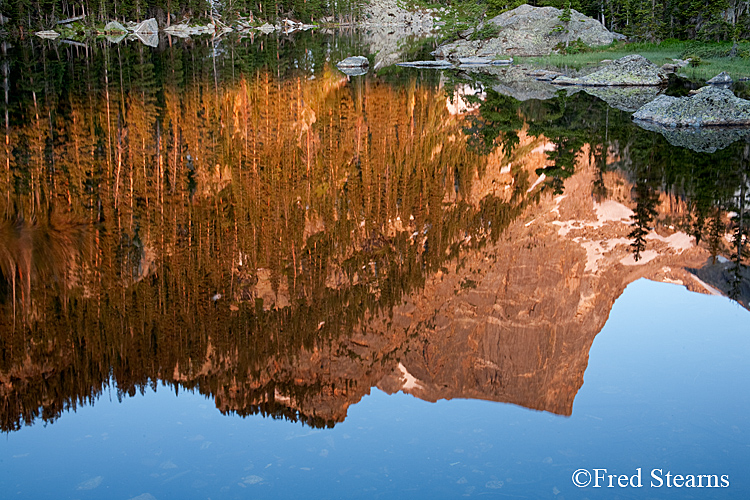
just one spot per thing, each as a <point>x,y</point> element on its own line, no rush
<point>230,271</point>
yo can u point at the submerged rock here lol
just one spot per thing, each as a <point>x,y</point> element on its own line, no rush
<point>698,139</point>
<point>710,106</point>
<point>628,99</point>
<point>629,70</point>
<point>529,31</point>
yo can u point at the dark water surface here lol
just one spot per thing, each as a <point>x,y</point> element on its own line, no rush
<point>230,271</point>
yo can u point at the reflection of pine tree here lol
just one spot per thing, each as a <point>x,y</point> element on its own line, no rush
<point>645,211</point>
<point>716,230</point>
<point>739,240</point>
<point>564,158</point>
<point>498,118</point>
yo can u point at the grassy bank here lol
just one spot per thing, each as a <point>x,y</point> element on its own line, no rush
<point>712,58</point>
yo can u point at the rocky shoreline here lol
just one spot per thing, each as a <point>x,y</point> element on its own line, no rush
<point>380,14</point>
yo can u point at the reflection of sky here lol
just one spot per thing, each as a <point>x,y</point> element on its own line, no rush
<point>665,388</point>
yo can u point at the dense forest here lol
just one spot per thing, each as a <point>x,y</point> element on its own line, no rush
<point>651,20</point>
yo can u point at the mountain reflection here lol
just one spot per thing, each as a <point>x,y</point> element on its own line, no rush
<point>283,243</point>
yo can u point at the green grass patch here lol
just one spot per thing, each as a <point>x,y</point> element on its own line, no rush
<point>714,57</point>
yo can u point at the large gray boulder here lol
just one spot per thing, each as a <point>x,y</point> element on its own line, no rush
<point>629,70</point>
<point>709,107</point>
<point>529,31</point>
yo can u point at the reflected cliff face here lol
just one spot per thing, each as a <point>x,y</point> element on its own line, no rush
<point>285,239</point>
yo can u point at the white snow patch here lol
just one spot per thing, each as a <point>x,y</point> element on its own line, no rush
<point>646,256</point>
<point>506,169</point>
<point>722,259</point>
<point>670,280</point>
<point>547,146</point>
<point>556,208</point>
<point>538,181</point>
<point>679,241</point>
<point>595,250</point>
<point>594,253</point>
<point>611,210</point>
<point>568,226</point>
<point>281,399</point>
<point>410,381</point>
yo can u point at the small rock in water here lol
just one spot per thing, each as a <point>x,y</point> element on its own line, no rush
<point>354,62</point>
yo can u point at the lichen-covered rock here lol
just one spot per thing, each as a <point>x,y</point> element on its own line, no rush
<point>629,70</point>
<point>710,106</point>
<point>722,78</point>
<point>530,31</point>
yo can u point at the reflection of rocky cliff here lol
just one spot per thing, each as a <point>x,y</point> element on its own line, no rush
<point>512,323</point>
<point>516,323</point>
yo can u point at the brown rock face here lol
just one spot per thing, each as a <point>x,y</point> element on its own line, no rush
<point>516,322</point>
<point>513,322</point>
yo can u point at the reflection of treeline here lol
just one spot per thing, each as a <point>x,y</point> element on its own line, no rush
<point>26,15</point>
<point>713,185</point>
<point>178,184</point>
